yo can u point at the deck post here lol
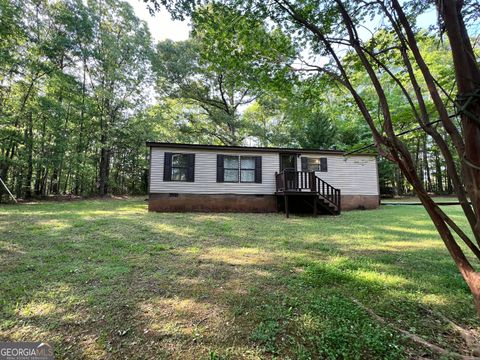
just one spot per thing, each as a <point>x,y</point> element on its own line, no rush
<point>286,207</point>
<point>339,201</point>
<point>311,180</point>
<point>315,210</point>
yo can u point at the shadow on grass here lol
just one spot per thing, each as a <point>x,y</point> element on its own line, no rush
<point>108,279</point>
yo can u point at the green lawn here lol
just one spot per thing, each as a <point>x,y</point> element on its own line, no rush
<point>414,199</point>
<point>107,279</point>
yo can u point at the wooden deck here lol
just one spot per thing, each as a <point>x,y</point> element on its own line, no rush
<point>303,191</point>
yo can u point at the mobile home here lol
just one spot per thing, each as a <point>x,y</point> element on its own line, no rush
<point>211,178</point>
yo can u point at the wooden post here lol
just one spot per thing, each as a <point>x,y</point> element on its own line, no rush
<point>286,207</point>
<point>315,211</point>
<point>339,201</point>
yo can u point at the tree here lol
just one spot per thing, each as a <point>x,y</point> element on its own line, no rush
<point>331,29</point>
<point>310,126</point>
<point>292,118</point>
<point>192,72</point>
<point>118,69</point>
<point>72,77</point>
<point>211,100</point>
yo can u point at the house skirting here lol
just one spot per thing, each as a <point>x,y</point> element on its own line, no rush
<point>353,202</point>
<point>240,203</point>
<point>212,203</point>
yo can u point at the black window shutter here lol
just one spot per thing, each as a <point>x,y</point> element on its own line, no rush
<point>191,167</point>
<point>220,172</point>
<point>258,169</point>
<point>304,164</point>
<point>167,167</point>
<point>323,164</point>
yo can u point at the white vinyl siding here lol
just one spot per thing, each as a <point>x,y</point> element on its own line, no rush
<point>206,173</point>
<point>353,175</point>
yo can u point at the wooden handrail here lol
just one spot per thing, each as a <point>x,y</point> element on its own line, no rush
<point>292,180</point>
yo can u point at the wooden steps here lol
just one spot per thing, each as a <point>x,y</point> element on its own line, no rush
<point>296,190</point>
<point>328,206</point>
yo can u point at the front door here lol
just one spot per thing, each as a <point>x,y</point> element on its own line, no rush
<point>288,161</point>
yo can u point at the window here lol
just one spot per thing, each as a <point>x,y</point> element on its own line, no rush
<point>314,164</point>
<point>179,167</point>
<point>245,169</point>
<point>230,168</point>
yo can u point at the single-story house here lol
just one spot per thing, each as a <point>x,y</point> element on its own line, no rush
<point>190,177</point>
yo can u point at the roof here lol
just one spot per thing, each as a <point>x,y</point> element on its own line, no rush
<point>250,148</point>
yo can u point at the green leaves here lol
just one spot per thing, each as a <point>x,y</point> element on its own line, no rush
<point>253,52</point>
<point>234,58</point>
<point>73,76</point>
<point>231,60</point>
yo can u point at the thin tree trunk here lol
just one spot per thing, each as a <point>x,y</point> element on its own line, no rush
<point>44,187</point>
<point>438,174</point>
<point>54,181</point>
<point>428,183</point>
<point>29,149</point>
<point>104,169</point>
<point>80,153</point>
<point>67,179</point>
<point>40,169</point>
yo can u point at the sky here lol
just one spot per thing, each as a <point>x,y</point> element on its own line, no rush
<point>161,25</point>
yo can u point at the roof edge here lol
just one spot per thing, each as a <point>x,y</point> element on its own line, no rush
<point>251,148</point>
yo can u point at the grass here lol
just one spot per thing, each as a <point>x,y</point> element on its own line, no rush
<point>415,199</point>
<point>107,279</point>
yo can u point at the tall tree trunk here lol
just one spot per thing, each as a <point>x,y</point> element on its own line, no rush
<point>29,148</point>
<point>38,181</point>
<point>67,179</point>
<point>449,185</point>
<point>80,154</point>
<point>438,174</point>
<point>17,176</point>
<point>418,163</point>
<point>104,170</point>
<point>399,189</point>
<point>43,186</point>
<point>39,173</point>
<point>104,164</point>
<point>467,72</point>
<point>54,181</point>
<point>428,183</point>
